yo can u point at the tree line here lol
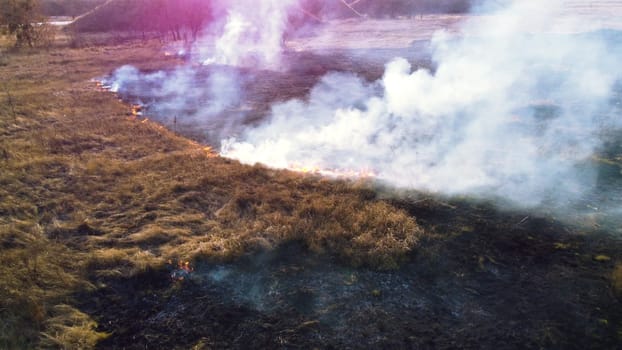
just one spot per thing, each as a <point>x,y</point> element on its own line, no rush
<point>21,19</point>
<point>181,19</point>
<point>184,19</point>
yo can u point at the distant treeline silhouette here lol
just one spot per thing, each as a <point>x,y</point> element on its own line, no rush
<point>185,18</point>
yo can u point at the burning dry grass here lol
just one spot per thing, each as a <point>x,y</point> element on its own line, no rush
<point>89,192</point>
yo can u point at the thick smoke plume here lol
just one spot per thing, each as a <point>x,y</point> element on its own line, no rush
<point>515,108</point>
<point>252,34</point>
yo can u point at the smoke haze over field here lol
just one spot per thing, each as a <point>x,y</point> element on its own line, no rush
<point>516,107</point>
<point>513,109</point>
<point>250,36</point>
<point>172,94</point>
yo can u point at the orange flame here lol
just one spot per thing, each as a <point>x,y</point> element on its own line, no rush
<point>209,151</point>
<point>335,173</point>
<point>137,110</point>
<point>182,271</point>
<point>99,85</point>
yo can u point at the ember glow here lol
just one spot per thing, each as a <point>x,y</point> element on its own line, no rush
<point>102,86</point>
<point>182,271</point>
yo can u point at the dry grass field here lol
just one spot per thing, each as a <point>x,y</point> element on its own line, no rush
<point>116,232</point>
<point>86,189</point>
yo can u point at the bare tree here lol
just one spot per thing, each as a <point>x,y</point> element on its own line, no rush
<point>195,14</point>
<point>20,18</point>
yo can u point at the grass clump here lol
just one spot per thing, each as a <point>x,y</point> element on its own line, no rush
<point>372,234</point>
<point>69,328</point>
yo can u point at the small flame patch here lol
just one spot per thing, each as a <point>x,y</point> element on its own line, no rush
<point>182,270</point>
<point>137,110</point>
<point>335,173</point>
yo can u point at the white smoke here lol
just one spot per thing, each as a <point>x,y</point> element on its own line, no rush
<point>514,108</point>
<point>177,93</point>
<point>204,90</point>
<point>252,34</point>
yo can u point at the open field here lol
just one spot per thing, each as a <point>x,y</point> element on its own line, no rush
<point>98,208</point>
<point>118,233</point>
<point>88,190</point>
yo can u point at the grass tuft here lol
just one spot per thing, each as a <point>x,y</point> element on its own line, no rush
<point>68,328</point>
